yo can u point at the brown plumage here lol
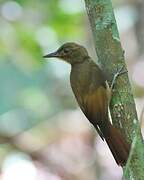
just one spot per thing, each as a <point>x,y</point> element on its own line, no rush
<point>89,86</point>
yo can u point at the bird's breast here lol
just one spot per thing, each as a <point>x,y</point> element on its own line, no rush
<point>80,81</point>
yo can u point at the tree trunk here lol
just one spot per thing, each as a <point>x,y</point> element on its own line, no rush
<point>111,58</point>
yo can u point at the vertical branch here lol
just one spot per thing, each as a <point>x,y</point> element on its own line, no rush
<point>111,58</point>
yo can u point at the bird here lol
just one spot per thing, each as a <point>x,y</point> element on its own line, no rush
<point>91,90</point>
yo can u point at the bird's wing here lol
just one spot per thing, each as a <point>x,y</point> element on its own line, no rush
<point>95,105</point>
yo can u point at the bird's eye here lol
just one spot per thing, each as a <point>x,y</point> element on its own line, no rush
<point>65,50</point>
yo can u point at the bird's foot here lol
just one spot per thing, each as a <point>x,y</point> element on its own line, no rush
<point>119,72</point>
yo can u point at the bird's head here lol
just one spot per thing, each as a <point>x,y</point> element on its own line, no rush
<point>70,52</point>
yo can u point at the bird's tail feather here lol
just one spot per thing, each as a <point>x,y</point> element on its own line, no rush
<point>118,146</point>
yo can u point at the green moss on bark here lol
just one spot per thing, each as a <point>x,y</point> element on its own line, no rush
<point>111,57</point>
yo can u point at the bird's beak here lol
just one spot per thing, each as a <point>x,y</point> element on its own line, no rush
<point>51,55</point>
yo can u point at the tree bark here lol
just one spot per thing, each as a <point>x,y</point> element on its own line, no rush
<point>111,58</point>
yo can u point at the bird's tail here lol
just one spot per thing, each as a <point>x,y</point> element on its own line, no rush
<point>117,144</point>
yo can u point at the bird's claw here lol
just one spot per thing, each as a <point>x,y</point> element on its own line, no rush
<point>119,72</point>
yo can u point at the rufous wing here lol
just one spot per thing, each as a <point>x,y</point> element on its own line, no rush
<point>95,105</point>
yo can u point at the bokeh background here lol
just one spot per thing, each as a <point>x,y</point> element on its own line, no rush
<point>43,134</point>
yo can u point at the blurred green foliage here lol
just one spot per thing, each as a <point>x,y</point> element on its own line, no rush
<point>29,84</point>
